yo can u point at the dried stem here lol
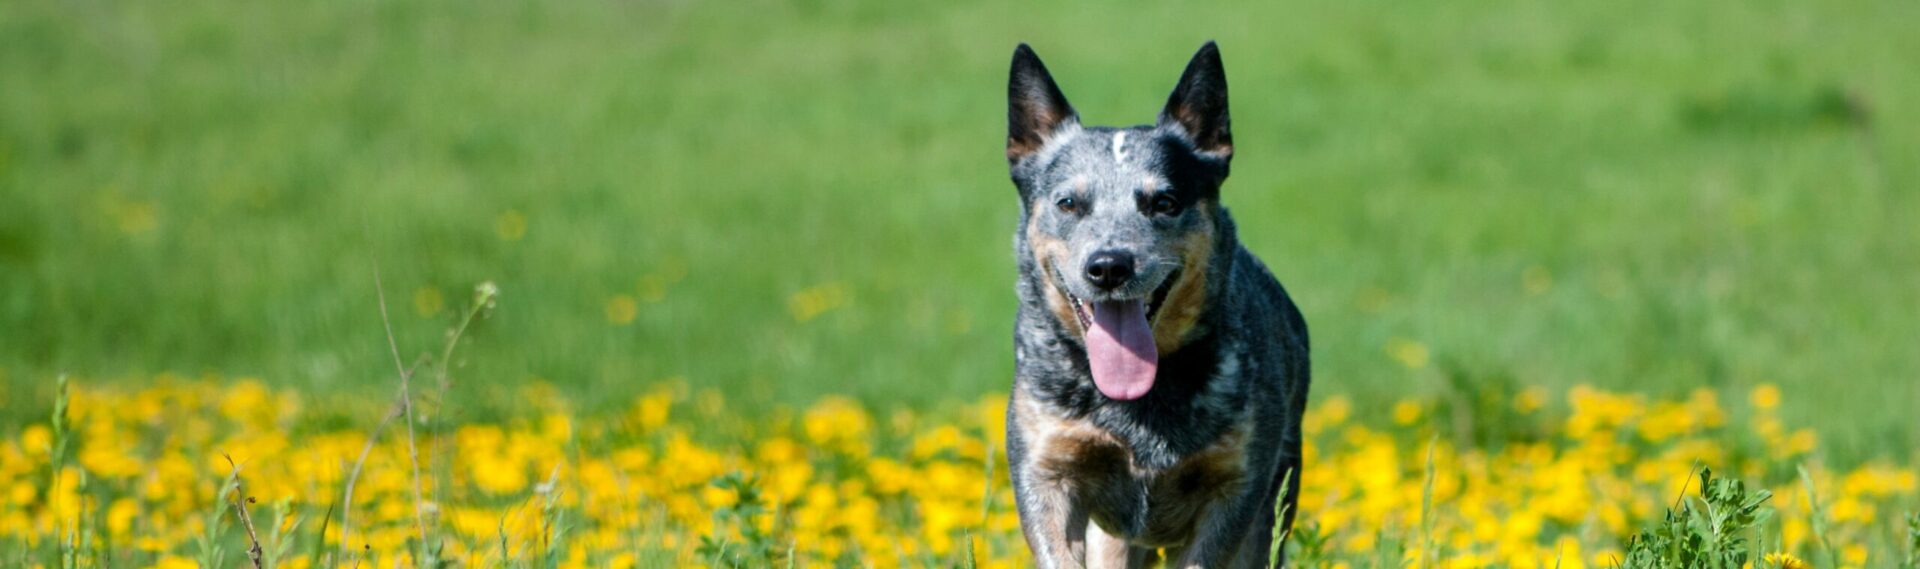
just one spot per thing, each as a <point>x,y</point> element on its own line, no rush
<point>403,407</point>
<point>346,508</point>
<point>406,405</point>
<point>240,501</point>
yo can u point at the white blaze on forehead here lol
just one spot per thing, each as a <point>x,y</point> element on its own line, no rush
<point>1120,146</point>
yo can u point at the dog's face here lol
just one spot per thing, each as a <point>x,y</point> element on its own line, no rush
<point>1120,222</point>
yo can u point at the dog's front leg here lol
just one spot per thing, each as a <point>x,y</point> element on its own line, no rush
<point>1063,469</point>
<point>1055,525</point>
<point>1107,551</point>
<point>1222,532</point>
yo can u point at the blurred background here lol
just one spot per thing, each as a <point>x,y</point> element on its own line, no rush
<point>783,200</point>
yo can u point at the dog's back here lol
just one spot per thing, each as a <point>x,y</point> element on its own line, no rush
<point>1160,369</point>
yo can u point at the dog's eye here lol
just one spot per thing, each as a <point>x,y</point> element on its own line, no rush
<point>1068,204</point>
<point>1165,205</point>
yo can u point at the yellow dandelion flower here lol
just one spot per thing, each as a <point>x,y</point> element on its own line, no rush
<point>247,399</point>
<point>1329,413</point>
<point>120,516</point>
<point>1855,554</point>
<point>1530,400</point>
<point>1536,280</point>
<point>623,560</point>
<point>133,217</point>
<point>1406,412</point>
<point>836,422</point>
<point>653,287</point>
<point>1409,353</point>
<point>812,302</point>
<point>779,451</point>
<point>427,301</point>
<point>652,410</point>
<point>21,493</point>
<point>621,309</point>
<point>717,497</point>
<point>1372,300</point>
<point>1765,397</point>
<point>510,225</point>
<point>36,440</point>
<point>1801,442</point>
<point>1786,561</point>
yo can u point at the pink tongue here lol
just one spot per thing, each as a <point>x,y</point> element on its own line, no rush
<point>1120,349</point>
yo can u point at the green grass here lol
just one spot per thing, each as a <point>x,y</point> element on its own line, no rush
<point>1720,193</point>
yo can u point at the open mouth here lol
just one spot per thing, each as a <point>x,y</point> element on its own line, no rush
<point>1081,308</point>
<point>1121,352</point>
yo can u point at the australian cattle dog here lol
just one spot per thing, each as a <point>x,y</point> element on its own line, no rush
<point>1160,369</point>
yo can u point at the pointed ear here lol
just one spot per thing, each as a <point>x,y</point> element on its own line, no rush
<point>1035,106</point>
<point>1199,104</point>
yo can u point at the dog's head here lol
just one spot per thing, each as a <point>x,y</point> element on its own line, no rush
<point>1121,222</point>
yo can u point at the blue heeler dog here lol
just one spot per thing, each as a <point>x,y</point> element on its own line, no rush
<point>1160,370</point>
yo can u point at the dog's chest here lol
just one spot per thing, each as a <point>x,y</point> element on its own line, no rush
<point>1151,506</point>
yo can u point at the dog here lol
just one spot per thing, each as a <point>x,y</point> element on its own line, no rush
<point>1160,370</point>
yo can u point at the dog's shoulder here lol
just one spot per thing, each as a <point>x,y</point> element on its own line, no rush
<point>1264,304</point>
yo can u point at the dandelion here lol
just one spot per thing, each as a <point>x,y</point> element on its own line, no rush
<point>1854,554</point>
<point>651,411</point>
<point>1785,561</point>
<point>1406,413</point>
<point>427,301</point>
<point>1536,280</point>
<point>1801,442</point>
<point>1409,353</point>
<point>1765,397</point>
<point>621,309</point>
<point>812,302</point>
<point>132,217</point>
<point>510,225</point>
<point>653,288</point>
<point>1372,300</point>
<point>1529,400</point>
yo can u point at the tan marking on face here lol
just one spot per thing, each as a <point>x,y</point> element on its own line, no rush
<point>1046,249</point>
<point>1188,297</point>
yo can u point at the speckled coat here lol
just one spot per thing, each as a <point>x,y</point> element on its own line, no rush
<point>1195,465</point>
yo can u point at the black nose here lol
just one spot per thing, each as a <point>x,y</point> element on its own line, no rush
<point>1110,269</point>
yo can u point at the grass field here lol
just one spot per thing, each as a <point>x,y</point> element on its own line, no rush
<point>785,202</point>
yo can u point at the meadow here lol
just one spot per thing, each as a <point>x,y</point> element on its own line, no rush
<point>747,216</point>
